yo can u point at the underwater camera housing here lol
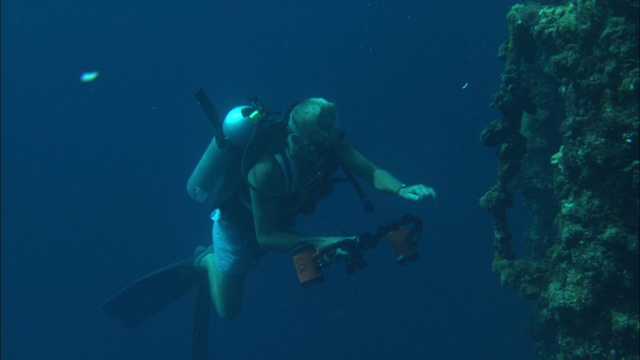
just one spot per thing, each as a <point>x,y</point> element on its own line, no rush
<point>309,261</point>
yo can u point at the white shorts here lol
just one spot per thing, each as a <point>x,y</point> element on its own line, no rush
<point>234,248</point>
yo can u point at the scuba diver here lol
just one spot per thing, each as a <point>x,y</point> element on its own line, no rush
<point>285,167</point>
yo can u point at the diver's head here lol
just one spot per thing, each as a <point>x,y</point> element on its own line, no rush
<point>313,128</point>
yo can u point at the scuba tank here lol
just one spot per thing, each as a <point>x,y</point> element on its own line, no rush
<point>217,175</point>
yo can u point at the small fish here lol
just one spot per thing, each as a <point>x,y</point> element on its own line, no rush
<point>89,76</point>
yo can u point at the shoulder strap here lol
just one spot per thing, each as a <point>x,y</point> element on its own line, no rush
<point>289,169</point>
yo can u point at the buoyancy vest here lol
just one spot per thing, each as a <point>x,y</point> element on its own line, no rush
<point>238,207</point>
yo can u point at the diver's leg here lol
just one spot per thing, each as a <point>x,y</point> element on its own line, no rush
<point>226,290</point>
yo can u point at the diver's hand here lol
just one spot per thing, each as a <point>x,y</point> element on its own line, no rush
<point>338,251</point>
<point>417,193</point>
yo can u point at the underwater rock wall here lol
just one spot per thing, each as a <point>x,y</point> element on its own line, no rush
<point>567,143</point>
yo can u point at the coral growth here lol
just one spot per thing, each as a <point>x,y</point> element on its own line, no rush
<point>567,142</point>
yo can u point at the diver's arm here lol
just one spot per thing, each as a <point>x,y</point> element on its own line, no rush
<point>267,176</point>
<point>381,179</point>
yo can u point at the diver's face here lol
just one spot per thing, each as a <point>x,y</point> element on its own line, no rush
<point>309,149</point>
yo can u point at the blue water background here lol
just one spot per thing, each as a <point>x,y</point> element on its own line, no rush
<point>94,174</point>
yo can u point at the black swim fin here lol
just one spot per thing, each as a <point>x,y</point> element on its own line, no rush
<point>152,293</point>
